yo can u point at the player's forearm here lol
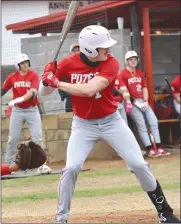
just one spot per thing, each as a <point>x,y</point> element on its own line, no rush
<point>125,93</point>
<point>28,96</point>
<point>145,94</point>
<point>84,90</point>
<point>13,167</point>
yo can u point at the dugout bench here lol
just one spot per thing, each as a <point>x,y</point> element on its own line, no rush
<point>167,119</point>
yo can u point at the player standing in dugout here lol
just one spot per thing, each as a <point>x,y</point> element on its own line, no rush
<point>133,80</point>
<point>24,84</point>
<point>91,75</point>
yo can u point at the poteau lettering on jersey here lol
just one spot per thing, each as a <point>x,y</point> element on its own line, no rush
<point>82,78</point>
<point>134,80</point>
<point>22,84</point>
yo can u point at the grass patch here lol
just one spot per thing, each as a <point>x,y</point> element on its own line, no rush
<point>30,180</point>
<point>82,193</point>
<point>54,178</point>
<point>169,165</point>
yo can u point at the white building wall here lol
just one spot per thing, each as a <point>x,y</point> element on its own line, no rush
<point>13,12</point>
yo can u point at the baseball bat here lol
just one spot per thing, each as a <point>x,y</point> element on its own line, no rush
<point>169,86</point>
<point>66,27</point>
<point>67,24</point>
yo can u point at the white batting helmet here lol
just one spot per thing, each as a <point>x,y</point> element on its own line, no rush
<point>73,45</point>
<point>20,58</point>
<point>93,37</point>
<point>130,54</point>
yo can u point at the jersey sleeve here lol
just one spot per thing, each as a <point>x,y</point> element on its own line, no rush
<point>61,71</point>
<point>175,86</point>
<point>35,81</point>
<point>7,83</point>
<point>110,70</point>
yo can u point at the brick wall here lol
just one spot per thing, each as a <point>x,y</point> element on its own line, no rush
<point>56,132</point>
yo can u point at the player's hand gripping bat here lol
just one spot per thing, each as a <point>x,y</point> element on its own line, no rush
<point>66,27</point>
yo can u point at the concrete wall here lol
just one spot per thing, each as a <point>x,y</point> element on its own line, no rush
<point>165,57</point>
<point>56,132</point>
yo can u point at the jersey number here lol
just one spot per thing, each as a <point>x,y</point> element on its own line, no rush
<point>98,95</point>
<point>138,87</point>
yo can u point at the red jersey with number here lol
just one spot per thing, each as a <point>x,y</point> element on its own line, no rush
<point>135,82</point>
<point>20,85</point>
<point>175,84</point>
<point>74,70</point>
<point>118,98</point>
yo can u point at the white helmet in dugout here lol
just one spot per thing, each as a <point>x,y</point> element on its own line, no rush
<point>72,46</point>
<point>20,58</point>
<point>93,37</point>
<point>130,54</point>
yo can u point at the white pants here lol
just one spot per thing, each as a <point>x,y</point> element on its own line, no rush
<point>85,133</point>
<point>177,106</point>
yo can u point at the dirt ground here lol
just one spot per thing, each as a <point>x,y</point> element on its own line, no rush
<point>121,208</point>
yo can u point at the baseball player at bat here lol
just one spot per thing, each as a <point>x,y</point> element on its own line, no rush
<point>176,86</point>
<point>134,81</point>
<point>91,75</point>
<point>24,84</point>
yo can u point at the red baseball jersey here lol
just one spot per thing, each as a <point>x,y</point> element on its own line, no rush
<point>118,98</point>
<point>74,70</point>
<point>175,84</point>
<point>135,82</point>
<point>20,84</point>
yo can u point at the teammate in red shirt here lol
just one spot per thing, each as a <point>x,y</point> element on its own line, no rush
<point>91,75</point>
<point>24,84</point>
<point>176,85</point>
<point>134,80</point>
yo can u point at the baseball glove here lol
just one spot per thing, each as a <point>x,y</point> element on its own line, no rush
<point>30,156</point>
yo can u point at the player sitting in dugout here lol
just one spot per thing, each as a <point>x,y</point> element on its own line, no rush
<point>133,80</point>
<point>24,83</point>
<point>175,85</point>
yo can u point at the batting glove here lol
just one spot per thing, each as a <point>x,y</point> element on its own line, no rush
<point>128,107</point>
<point>138,104</point>
<point>15,101</point>
<point>50,79</point>
<point>145,106</point>
<point>51,67</point>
